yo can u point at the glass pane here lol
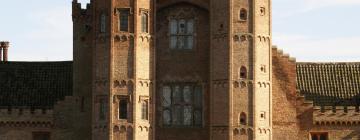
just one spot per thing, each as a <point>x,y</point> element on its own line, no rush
<point>190,27</point>
<point>123,109</point>
<point>182,26</point>
<point>173,42</point>
<point>187,94</point>
<point>181,41</point>
<point>187,115</point>
<point>177,95</point>
<point>166,117</point>
<point>177,115</point>
<point>189,42</point>
<point>198,97</point>
<point>124,20</point>
<point>198,117</point>
<point>166,99</point>
<point>173,26</point>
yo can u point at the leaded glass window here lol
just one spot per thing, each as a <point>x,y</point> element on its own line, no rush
<point>181,33</point>
<point>182,104</point>
<point>124,20</point>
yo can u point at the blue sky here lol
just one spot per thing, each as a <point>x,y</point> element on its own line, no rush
<point>310,30</point>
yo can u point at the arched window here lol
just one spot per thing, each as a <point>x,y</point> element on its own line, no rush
<point>243,14</point>
<point>144,23</point>
<point>243,118</point>
<point>103,23</point>
<point>243,72</point>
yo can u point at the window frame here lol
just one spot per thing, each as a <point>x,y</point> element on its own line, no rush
<point>124,13</point>
<point>245,16</point>
<point>182,104</point>
<point>145,22</point>
<point>102,23</point>
<point>120,109</point>
<point>186,37</point>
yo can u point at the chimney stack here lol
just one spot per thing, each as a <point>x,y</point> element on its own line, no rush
<point>4,45</point>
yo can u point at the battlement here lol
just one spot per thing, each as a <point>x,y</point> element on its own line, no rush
<point>336,115</point>
<point>78,13</point>
<point>281,53</point>
<point>26,117</point>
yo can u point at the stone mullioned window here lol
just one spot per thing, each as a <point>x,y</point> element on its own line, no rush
<point>181,33</point>
<point>181,105</point>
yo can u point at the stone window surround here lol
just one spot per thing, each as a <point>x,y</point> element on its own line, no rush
<point>194,84</point>
<point>145,12</point>
<point>118,12</point>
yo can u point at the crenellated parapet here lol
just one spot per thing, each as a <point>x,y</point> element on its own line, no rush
<point>336,115</point>
<point>17,117</point>
<point>79,13</point>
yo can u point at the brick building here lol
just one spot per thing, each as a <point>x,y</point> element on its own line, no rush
<point>177,70</point>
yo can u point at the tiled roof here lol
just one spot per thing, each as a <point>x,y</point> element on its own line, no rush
<point>34,84</point>
<point>329,83</point>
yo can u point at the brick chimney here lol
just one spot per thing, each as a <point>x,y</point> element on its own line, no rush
<point>4,45</point>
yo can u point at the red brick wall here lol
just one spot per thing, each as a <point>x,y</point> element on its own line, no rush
<point>284,97</point>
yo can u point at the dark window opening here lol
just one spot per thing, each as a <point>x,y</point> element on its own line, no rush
<point>319,136</point>
<point>243,14</point>
<point>243,118</point>
<point>243,72</point>
<point>124,20</point>
<point>123,109</point>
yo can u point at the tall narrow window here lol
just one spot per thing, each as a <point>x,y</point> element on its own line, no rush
<point>181,33</point>
<point>103,23</point>
<point>123,109</point>
<point>124,20</point>
<point>243,118</point>
<point>243,14</point>
<point>144,23</point>
<point>102,109</point>
<point>144,110</point>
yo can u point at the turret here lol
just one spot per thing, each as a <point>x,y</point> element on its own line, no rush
<point>241,62</point>
<point>4,46</point>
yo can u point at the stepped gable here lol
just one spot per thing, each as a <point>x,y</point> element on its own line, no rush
<point>34,84</point>
<point>329,84</point>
